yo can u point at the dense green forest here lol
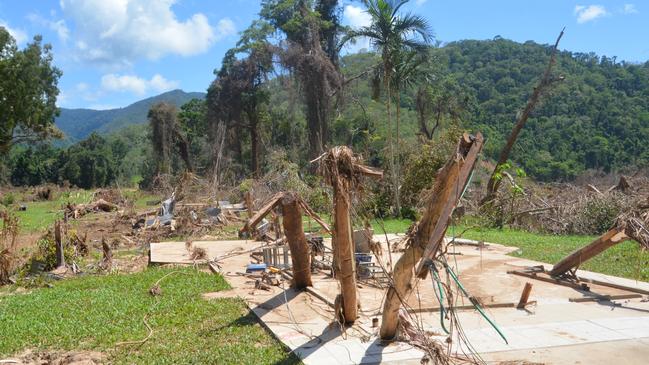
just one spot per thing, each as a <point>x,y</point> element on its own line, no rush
<point>597,118</point>
<point>300,95</point>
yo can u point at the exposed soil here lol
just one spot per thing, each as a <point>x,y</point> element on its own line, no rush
<point>30,357</point>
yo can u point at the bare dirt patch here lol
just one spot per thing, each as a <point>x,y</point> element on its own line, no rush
<point>30,357</point>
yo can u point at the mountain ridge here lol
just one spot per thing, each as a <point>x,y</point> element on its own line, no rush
<point>79,123</point>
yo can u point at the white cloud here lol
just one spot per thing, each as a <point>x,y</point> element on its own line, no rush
<point>629,9</point>
<point>225,27</point>
<point>119,32</point>
<point>136,85</point>
<point>57,26</point>
<point>356,16</point>
<point>82,86</point>
<point>586,13</point>
<point>19,35</point>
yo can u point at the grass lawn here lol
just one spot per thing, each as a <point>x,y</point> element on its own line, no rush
<point>41,214</point>
<point>96,312</point>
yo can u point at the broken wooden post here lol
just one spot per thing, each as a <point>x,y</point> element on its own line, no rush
<point>249,207</point>
<point>450,182</point>
<point>292,222</point>
<point>58,241</point>
<point>342,170</point>
<point>601,244</point>
<point>525,296</point>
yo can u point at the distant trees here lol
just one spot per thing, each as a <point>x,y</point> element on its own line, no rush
<point>238,96</point>
<point>166,137</point>
<point>28,91</point>
<point>311,29</point>
<point>87,164</point>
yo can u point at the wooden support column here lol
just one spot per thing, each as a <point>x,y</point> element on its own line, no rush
<point>449,185</point>
<point>344,258</point>
<point>342,170</point>
<point>601,244</point>
<point>292,222</point>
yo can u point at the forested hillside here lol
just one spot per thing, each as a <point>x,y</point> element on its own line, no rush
<point>80,123</point>
<point>597,118</point>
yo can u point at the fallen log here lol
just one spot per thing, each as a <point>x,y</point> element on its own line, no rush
<point>449,184</point>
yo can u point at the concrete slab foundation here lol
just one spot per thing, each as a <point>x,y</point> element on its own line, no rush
<point>554,331</point>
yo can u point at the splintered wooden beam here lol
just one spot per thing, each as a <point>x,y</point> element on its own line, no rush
<point>525,296</point>
<point>449,185</point>
<point>458,186</point>
<point>252,222</point>
<point>601,244</point>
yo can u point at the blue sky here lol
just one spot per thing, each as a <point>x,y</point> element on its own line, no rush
<point>115,52</point>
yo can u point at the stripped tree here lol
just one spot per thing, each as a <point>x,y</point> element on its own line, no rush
<point>547,80</point>
<point>310,52</point>
<point>343,170</point>
<point>426,239</point>
<point>392,33</point>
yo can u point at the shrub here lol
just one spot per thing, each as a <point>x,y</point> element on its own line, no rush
<point>598,214</point>
<point>8,199</point>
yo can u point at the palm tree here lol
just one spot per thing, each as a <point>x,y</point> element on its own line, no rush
<point>407,72</point>
<point>391,33</point>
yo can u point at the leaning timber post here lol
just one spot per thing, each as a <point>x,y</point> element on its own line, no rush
<point>601,244</point>
<point>300,257</point>
<point>450,182</point>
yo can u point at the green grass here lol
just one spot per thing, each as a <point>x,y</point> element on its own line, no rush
<point>42,214</point>
<point>96,312</point>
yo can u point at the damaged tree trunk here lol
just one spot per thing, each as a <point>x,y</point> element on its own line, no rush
<point>601,244</point>
<point>343,170</point>
<point>343,247</point>
<point>546,81</point>
<point>449,185</point>
<point>300,257</point>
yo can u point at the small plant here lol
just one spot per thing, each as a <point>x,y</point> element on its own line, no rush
<point>46,252</point>
<point>8,199</point>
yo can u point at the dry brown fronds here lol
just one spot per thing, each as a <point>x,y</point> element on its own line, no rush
<point>635,223</point>
<point>10,228</point>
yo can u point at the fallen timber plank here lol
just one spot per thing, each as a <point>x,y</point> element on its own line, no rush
<point>579,284</point>
<point>599,245</point>
<point>607,298</point>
